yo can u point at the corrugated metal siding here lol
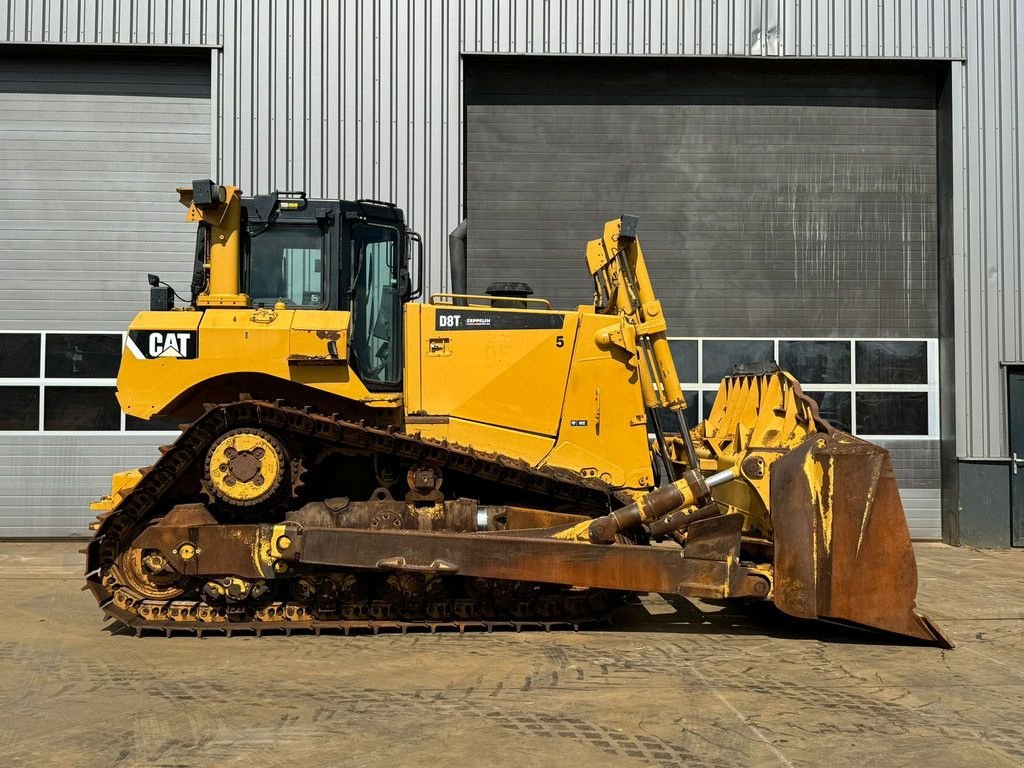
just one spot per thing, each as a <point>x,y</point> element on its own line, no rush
<point>795,202</point>
<point>988,268</point>
<point>362,98</point>
<point>921,506</point>
<point>916,466</point>
<point>50,480</point>
<point>111,22</point>
<point>91,151</point>
<point>857,28</point>
<point>348,100</point>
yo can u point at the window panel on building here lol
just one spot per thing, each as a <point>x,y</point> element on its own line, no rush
<point>816,362</point>
<point>81,408</point>
<point>708,399</point>
<point>82,355</point>
<point>19,355</point>
<point>834,407</point>
<point>692,411</point>
<point>892,362</point>
<point>19,408</point>
<point>722,356</point>
<point>892,413</point>
<point>668,419</point>
<point>154,424</point>
<point>684,352</point>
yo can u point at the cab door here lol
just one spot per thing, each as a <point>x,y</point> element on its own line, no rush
<point>376,258</point>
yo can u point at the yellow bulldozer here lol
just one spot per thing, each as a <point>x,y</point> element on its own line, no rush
<point>355,459</point>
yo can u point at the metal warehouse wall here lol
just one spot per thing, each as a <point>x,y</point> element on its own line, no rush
<point>91,148</point>
<point>362,98</point>
<point>988,199</point>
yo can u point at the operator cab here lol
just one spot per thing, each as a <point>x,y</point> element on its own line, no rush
<point>350,256</point>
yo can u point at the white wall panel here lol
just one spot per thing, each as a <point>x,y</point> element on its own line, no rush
<point>91,151</point>
<point>50,480</point>
<point>111,22</point>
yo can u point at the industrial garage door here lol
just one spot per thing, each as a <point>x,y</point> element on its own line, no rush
<point>91,149</point>
<point>787,210</point>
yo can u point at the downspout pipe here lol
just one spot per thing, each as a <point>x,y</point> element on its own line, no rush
<point>458,258</point>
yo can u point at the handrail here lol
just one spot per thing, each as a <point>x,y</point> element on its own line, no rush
<point>986,459</point>
<point>489,299</point>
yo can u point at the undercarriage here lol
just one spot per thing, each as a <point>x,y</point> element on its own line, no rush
<point>182,553</point>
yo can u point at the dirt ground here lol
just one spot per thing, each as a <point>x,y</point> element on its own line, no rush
<point>668,685</point>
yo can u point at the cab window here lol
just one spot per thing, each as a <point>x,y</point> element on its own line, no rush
<point>286,264</point>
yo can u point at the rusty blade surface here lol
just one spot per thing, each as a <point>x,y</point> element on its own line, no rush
<point>842,546</point>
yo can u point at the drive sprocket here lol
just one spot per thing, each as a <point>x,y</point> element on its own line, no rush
<point>246,467</point>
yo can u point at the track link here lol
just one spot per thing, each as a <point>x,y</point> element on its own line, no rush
<point>545,607</point>
<point>287,618</point>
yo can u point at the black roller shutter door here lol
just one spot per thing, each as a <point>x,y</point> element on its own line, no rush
<point>775,198</point>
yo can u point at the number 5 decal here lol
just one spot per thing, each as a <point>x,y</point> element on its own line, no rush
<point>559,341</point>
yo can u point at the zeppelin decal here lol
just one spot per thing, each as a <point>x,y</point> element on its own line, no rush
<point>482,320</point>
<point>151,345</point>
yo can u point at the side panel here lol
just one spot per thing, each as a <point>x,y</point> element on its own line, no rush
<point>147,382</point>
<point>319,337</point>
<point>502,367</point>
<point>604,426</point>
<point>244,341</point>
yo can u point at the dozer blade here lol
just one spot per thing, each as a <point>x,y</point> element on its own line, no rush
<point>842,546</point>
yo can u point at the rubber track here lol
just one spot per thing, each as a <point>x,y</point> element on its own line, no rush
<point>117,528</point>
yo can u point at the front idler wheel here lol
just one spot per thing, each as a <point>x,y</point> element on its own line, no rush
<point>147,574</point>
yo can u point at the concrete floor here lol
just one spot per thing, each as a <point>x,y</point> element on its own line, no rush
<point>663,687</point>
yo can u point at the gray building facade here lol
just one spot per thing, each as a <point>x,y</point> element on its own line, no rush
<point>831,183</point>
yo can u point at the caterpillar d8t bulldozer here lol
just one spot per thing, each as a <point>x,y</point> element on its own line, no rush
<point>351,458</point>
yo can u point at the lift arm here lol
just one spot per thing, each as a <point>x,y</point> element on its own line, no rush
<point>623,288</point>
